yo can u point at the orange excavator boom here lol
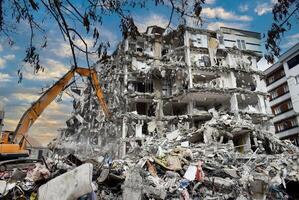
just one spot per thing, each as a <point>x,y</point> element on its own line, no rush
<point>31,115</point>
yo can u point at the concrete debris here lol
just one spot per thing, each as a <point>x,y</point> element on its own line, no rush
<point>190,121</point>
<point>70,185</point>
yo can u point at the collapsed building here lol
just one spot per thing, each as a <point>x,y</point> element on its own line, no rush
<point>158,83</point>
<point>188,105</point>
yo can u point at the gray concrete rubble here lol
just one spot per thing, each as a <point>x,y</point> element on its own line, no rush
<point>190,121</point>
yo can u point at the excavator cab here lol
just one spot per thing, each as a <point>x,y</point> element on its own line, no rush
<point>6,137</point>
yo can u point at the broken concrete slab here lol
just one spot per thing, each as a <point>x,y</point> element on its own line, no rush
<point>70,185</point>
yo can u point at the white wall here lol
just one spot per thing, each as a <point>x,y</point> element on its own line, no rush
<point>195,38</point>
<point>293,87</point>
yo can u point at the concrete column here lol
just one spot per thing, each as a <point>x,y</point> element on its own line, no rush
<point>268,107</point>
<point>190,107</point>
<point>123,145</point>
<point>262,104</point>
<point>125,78</point>
<point>234,104</point>
<point>123,136</point>
<point>233,80</point>
<point>157,48</point>
<point>190,111</point>
<point>188,58</point>
<point>247,142</point>
<point>158,97</point>
<point>159,108</point>
<point>138,129</point>
<point>126,45</point>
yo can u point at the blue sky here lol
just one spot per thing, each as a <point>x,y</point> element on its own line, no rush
<point>254,15</point>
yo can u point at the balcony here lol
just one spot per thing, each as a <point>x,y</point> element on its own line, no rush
<point>276,83</point>
<point>289,132</point>
<point>284,115</point>
<point>280,99</point>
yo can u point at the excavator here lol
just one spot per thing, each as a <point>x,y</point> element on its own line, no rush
<point>13,144</point>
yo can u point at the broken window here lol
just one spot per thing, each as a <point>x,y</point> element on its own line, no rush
<point>165,51</point>
<point>132,46</point>
<point>141,108</point>
<point>293,62</point>
<point>246,81</point>
<point>170,109</point>
<point>144,129</point>
<point>242,142</point>
<point>179,109</point>
<point>144,87</point>
<point>140,46</point>
<point>248,103</point>
<point>167,87</point>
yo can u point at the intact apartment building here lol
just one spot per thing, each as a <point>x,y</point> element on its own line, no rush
<point>282,80</point>
<point>158,83</point>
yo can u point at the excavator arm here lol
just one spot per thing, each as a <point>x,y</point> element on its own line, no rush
<point>31,115</point>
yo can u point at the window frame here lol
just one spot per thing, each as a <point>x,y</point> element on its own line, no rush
<point>294,61</point>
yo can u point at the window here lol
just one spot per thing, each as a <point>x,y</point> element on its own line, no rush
<point>285,88</point>
<point>297,79</point>
<point>243,44</point>
<point>274,94</point>
<point>277,110</point>
<point>271,79</point>
<point>290,105</point>
<point>239,44</point>
<point>280,127</point>
<point>294,122</point>
<point>293,62</point>
<point>198,40</point>
<point>221,39</point>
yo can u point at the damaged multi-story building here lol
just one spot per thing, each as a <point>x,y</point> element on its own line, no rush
<point>184,78</point>
<point>158,83</point>
<point>190,117</point>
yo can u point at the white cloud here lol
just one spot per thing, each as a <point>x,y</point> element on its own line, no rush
<point>4,99</point>
<point>243,7</point>
<point>291,41</point>
<point>4,59</point>
<point>53,70</point>
<point>221,13</point>
<point>2,63</point>
<point>9,57</point>
<point>27,97</point>
<point>4,77</point>
<point>210,1</point>
<point>1,48</point>
<point>217,25</point>
<point>143,22</point>
<point>264,8</point>
<point>108,35</point>
<point>62,50</point>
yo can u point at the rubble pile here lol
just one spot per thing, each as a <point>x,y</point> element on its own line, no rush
<point>170,167</point>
